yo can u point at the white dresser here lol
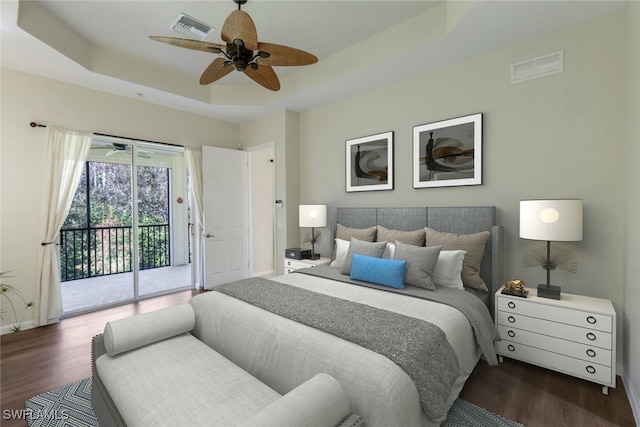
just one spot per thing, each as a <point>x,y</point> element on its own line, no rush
<point>575,335</point>
<point>290,265</point>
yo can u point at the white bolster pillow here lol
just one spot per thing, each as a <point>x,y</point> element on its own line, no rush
<point>143,329</point>
<point>318,402</point>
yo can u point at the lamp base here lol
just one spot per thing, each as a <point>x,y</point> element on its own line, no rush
<point>314,256</point>
<point>552,292</point>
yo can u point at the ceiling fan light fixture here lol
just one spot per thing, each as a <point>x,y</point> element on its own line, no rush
<point>191,27</point>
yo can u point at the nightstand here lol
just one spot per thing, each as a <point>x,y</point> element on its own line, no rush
<point>575,335</point>
<point>291,265</point>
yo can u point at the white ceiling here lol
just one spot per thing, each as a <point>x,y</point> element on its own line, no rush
<point>360,44</point>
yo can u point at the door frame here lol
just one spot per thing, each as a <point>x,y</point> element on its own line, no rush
<point>252,207</point>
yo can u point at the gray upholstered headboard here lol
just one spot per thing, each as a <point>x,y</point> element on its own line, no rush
<point>465,220</point>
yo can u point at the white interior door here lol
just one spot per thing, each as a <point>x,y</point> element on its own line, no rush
<point>225,206</point>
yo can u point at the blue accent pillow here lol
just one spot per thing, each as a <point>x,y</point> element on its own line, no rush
<point>381,271</point>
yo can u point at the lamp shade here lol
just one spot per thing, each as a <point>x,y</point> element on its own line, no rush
<point>313,215</point>
<point>557,220</point>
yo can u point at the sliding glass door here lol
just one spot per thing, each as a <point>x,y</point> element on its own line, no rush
<point>112,253</point>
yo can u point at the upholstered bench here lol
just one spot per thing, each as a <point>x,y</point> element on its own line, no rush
<point>148,370</point>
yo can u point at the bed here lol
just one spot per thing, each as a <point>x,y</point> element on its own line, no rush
<point>286,329</point>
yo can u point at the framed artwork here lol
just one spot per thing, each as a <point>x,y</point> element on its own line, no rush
<point>370,163</point>
<point>448,153</point>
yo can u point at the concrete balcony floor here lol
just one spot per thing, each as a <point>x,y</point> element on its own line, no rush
<point>86,294</point>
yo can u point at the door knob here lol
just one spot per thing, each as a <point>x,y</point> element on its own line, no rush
<point>209,235</point>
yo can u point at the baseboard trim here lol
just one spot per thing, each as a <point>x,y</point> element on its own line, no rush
<point>265,273</point>
<point>7,329</point>
<point>633,395</point>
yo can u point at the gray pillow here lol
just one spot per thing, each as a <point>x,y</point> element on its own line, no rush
<point>364,234</point>
<point>374,249</point>
<point>421,261</point>
<point>346,233</point>
<point>472,243</point>
<point>415,237</point>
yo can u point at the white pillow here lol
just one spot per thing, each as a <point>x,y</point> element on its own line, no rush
<point>448,271</point>
<point>342,247</point>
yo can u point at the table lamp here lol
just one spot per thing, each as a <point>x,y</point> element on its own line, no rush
<point>313,216</point>
<point>557,220</point>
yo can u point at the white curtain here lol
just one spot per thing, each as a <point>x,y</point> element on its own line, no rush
<point>66,152</point>
<point>194,164</point>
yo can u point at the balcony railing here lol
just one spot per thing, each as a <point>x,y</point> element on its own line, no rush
<point>100,251</point>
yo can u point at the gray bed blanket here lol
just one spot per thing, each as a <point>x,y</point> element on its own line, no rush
<point>468,304</point>
<point>418,347</point>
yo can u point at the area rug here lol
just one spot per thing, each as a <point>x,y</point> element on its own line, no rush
<point>70,406</point>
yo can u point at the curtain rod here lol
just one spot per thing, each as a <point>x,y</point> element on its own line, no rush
<point>39,125</point>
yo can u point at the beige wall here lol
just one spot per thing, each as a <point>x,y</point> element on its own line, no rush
<point>555,137</point>
<point>282,129</point>
<point>631,322</point>
<point>26,98</point>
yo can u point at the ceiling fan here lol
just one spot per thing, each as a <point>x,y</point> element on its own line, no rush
<point>243,52</point>
<point>116,148</point>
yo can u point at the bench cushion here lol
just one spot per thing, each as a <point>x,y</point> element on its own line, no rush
<point>181,381</point>
<point>137,331</point>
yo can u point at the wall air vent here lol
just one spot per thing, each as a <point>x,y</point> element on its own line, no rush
<point>537,67</point>
<point>191,27</point>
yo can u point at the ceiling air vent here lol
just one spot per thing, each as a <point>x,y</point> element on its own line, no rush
<point>537,67</point>
<point>191,27</point>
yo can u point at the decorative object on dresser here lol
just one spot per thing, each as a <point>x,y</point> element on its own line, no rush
<point>516,288</point>
<point>575,335</point>
<point>448,153</point>
<point>297,253</point>
<point>291,265</point>
<point>369,163</point>
<point>313,216</point>
<point>558,220</point>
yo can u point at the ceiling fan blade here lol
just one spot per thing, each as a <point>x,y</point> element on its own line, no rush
<point>216,70</point>
<point>282,56</point>
<point>239,25</point>
<point>264,76</point>
<point>190,44</point>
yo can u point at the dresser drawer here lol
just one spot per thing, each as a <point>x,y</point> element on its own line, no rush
<point>579,368</point>
<point>556,345</point>
<point>295,264</point>
<point>584,319</point>
<point>554,329</point>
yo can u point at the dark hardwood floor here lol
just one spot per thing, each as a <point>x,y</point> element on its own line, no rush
<point>41,359</point>
<point>538,397</point>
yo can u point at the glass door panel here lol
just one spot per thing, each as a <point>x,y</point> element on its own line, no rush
<point>96,257</point>
<point>162,221</point>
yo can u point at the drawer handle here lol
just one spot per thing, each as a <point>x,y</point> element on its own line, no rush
<point>591,336</point>
<point>591,320</point>
<point>590,369</point>
<point>511,304</point>
<point>511,333</point>
<point>591,352</point>
<point>288,262</point>
<point>511,348</point>
<point>511,319</point>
